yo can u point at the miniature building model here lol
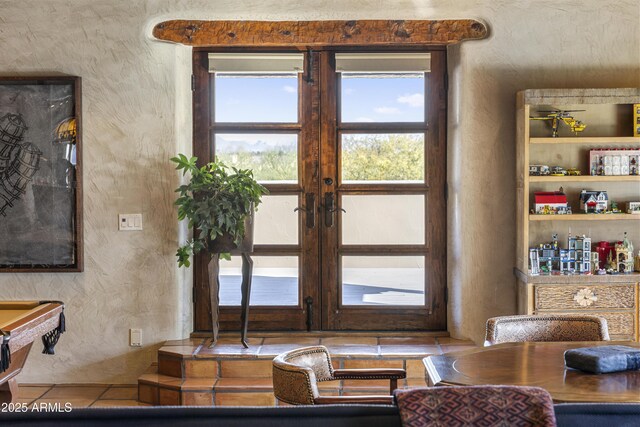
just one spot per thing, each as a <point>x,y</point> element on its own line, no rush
<point>593,201</point>
<point>549,258</point>
<point>550,202</point>
<point>580,252</point>
<point>624,256</point>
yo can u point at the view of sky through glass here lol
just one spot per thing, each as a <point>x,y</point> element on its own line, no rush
<point>382,98</point>
<point>256,99</point>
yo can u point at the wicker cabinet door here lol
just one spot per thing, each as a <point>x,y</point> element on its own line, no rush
<point>585,297</point>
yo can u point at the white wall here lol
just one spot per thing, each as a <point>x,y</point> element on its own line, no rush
<point>136,114</point>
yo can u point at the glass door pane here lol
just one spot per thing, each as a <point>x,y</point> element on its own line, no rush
<point>383,280</point>
<point>382,158</point>
<point>275,281</point>
<point>272,157</point>
<point>382,97</point>
<point>256,98</point>
<point>383,219</point>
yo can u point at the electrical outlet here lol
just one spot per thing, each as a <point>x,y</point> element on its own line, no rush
<point>135,337</point>
<point>129,222</point>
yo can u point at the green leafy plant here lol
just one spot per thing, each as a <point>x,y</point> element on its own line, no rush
<point>215,202</point>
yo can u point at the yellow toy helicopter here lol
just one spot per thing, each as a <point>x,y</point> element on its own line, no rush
<point>556,116</point>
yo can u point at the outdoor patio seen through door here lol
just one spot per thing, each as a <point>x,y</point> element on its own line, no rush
<point>351,146</point>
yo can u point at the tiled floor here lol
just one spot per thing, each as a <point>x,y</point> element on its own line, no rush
<point>80,395</point>
<point>227,374</point>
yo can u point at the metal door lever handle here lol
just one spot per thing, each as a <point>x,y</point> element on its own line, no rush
<point>309,209</point>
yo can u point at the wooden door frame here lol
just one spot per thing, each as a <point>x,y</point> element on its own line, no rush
<point>433,315</point>
<point>290,317</point>
<point>431,318</point>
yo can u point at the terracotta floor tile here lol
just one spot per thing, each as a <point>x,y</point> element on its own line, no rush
<point>415,368</point>
<point>273,350</point>
<point>32,392</point>
<point>203,368</point>
<point>351,341</point>
<point>299,341</point>
<point>252,341</point>
<point>244,384</point>
<point>353,351</point>
<point>246,368</point>
<point>194,342</point>
<point>228,350</point>
<point>453,341</point>
<point>116,403</point>
<point>245,399</point>
<point>329,385</point>
<point>199,383</point>
<point>160,379</point>
<point>178,350</point>
<point>25,402</point>
<point>69,392</point>
<point>75,402</point>
<point>407,340</point>
<point>409,350</point>
<point>416,382</point>
<point>121,392</point>
<point>455,348</point>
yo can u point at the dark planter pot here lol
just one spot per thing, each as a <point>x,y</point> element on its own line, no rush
<point>225,242</point>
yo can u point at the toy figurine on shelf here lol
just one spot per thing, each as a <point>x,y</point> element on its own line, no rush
<point>573,172</point>
<point>556,116</point>
<point>608,266</point>
<point>538,170</point>
<point>614,209</point>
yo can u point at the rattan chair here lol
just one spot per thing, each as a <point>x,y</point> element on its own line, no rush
<point>546,327</point>
<point>297,372</point>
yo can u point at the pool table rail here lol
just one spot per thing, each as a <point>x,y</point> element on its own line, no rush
<point>22,324</point>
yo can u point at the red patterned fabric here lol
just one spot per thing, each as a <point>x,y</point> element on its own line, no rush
<point>486,406</point>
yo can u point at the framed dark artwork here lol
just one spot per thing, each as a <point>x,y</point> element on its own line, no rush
<point>40,174</point>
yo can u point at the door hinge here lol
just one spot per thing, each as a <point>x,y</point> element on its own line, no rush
<point>309,71</point>
<point>309,303</point>
<point>193,82</point>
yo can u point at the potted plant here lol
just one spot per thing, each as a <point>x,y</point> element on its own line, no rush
<point>220,205</point>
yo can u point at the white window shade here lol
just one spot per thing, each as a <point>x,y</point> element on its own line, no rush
<point>251,63</point>
<point>383,62</point>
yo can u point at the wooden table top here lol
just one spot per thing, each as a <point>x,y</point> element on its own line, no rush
<point>538,364</point>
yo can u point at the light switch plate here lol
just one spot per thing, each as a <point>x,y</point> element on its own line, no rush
<point>129,222</point>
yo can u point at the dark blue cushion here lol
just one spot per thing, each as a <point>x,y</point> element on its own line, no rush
<point>600,360</point>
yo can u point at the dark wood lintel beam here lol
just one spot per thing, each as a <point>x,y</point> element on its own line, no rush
<point>319,33</point>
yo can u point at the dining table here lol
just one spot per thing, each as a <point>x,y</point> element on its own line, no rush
<point>538,364</point>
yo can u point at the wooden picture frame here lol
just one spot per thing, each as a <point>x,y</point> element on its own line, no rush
<point>40,174</point>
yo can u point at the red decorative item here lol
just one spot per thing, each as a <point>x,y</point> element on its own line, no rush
<point>603,249</point>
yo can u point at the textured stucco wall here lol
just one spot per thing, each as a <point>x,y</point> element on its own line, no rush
<point>136,107</point>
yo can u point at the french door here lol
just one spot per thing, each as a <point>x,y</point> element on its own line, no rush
<point>351,146</point>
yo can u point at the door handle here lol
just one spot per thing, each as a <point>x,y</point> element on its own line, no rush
<point>309,209</point>
<point>330,209</point>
